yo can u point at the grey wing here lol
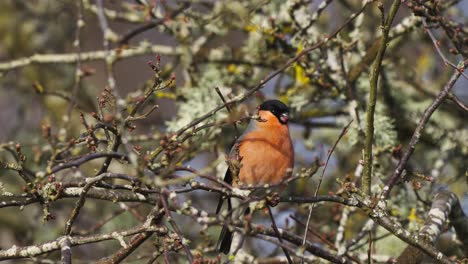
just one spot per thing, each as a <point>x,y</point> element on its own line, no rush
<point>228,175</point>
<point>251,127</point>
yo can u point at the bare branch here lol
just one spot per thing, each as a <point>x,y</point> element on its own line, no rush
<point>41,248</point>
<point>373,79</point>
<point>142,49</point>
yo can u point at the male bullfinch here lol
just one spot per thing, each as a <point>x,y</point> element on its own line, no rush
<point>266,155</point>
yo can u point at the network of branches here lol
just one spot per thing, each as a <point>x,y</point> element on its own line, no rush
<point>117,117</point>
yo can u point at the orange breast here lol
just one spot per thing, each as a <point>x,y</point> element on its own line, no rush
<point>267,154</point>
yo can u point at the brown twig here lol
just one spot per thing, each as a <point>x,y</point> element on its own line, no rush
<point>123,208</point>
<point>275,228</point>
<point>79,204</point>
<point>150,25</point>
<point>297,240</point>
<point>458,102</point>
<point>83,159</point>
<point>78,74</point>
<point>124,252</point>
<point>229,110</point>
<point>208,177</point>
<point>169,218</point>
<point>153,219</point>
<point>437,47</point>
<point>330,152</point>
<point>106,32</point>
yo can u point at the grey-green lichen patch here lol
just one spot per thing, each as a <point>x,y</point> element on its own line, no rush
<point>201,99</point>
<point>383,123</point>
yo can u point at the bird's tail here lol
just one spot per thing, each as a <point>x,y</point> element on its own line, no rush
<point>225,240</point>
<point>226,236</point>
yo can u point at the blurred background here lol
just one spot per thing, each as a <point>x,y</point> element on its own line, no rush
<point>230,45</point>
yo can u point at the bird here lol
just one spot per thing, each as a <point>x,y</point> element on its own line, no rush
<point>266,154</point>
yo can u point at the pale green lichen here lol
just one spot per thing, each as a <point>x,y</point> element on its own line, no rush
<point>384,127</point>
<point>201,99</point>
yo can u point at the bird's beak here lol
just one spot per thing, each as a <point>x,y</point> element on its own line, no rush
<point>284,118</point>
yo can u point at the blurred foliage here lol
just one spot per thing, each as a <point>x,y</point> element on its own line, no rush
<point>233,46</point>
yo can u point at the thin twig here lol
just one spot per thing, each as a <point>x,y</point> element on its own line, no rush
<point>297,240</point>
<point>106,32</point>
<point>286,248</point>
<point>124,252</point>
<point>79,204</point>
<point>169,218</point>
<point>229,110</point>
<point>123,208</point>
<point>315,233</point>
<point>458,102</point>
<point>323,239</point>
<point>79,161</point>
<point>368,226</point>
<point>77,43</point>
<point>369,249</point>
<point>357,246</point>
<point>115,146</point>
<point>166,253</point>
<point>150,25</point>
<point>315,16</point>
<point>330,152</point>
<point>437,47</point>
<point>275,228</point>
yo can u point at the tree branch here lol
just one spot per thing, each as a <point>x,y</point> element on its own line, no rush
<point>374,78</point>
<point>142,49</point>
<point>35,250</point>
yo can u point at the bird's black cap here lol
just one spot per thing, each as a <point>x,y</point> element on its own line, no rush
<point>276,107</point>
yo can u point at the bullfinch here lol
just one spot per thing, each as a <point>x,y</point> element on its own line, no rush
<point>266,155</point>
